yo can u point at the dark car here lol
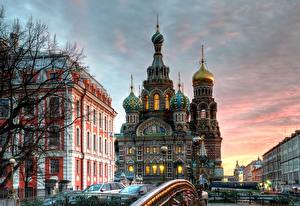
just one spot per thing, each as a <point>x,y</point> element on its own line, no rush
<point>62,198</point>
<point>134,192</point>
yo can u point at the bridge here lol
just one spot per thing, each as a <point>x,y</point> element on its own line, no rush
<point>174,193</point>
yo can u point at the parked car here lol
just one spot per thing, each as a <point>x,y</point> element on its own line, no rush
<point>133,192</point>
<point>62,198</point>
<point>112,187</point>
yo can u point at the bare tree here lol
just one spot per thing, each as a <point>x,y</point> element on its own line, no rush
<point>35,106</point>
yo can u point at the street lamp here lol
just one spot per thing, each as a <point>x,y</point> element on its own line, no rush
<point>12,163</point>
<point>164,150</point>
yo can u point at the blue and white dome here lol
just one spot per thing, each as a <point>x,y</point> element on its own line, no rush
<point>179,101</point>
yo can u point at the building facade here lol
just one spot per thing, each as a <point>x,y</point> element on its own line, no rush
<point>290,161</point>
<point>250,169</point>
<point>272,167</point>
<point>79,149</point>
<point>165,136</point>
<point>281,164</point>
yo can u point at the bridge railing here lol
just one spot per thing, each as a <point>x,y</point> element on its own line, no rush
<point>174,192</point>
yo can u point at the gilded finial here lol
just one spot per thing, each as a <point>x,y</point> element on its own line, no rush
<point>179,81</point>
<point>131,85</point>
<point>157,22</point>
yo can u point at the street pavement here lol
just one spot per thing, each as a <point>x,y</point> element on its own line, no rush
<point>231,204</point>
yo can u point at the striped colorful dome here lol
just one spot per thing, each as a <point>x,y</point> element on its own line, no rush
<point>131,103</point>
<point>179,101</point>
<point>157,38</point>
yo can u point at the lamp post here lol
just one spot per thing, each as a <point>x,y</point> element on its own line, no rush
<point>164,150</point>
<point>12,163</point>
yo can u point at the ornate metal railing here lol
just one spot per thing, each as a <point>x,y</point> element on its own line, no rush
<point>175,192</point>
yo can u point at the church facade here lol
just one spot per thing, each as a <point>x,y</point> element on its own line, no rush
<point>165,135</point>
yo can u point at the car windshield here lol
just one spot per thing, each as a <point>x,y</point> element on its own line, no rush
<point>131,189</point>
<point>93,188</point>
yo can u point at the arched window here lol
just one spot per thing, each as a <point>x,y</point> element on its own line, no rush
<point>154,169</point>
<point>146,102</point>
<point>203,113</point>
<point>167,101</point>
<point>147,169</point>
<point>130,168</point>
<point>156,102</point>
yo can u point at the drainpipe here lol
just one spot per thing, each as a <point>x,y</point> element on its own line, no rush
<point>82,134</point>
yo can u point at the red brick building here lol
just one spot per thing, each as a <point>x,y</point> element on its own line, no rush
<point>80,148</point>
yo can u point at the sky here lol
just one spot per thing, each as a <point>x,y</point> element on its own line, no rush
<point>251,47</point>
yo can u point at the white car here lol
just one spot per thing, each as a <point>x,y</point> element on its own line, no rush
<point>112,187</point>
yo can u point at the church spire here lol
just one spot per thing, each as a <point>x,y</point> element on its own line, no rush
<point>131,83</point>
<point>179,81</point>
<point>157,23</point>
<point>202,54</point>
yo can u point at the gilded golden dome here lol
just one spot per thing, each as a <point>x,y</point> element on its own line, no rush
<point>203,75</point>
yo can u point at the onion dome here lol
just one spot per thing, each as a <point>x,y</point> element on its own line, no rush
<point>132,102</point>
<point>179,101</point>
<point>157,38</point>
<point>203,75</point>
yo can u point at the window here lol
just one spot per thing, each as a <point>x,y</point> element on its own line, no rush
<point>88,113</point>
<point>156,102</point>
<point>167,101</point>
<point>146,102</point>
<point>100,120</point>
<point>54,166</point>
<point>77,136</point>
<point>147,149</point>
<point>105,123</point>
<point>147,169</point>
<point>130,168</point>
<point>77,167</point>
<point>95,143</point>
<point>94,117</point>
<point>29,166</point>
<point>28,136</point>
<point>203,113</point>
<point>161,169</point>
<point>100,144</point>
<point>4,108</point>
<point>100,169</point>
<point>179,169</point>
<point>29,78</point>
<point>105,146</point>
<point>88,140</point>
<point>95,169</point>
<point>54,106</point>
<point>179,149</point>
<point>154,150</point>
<point>88,168</point>
<point>54,136</point>
<point>154,169</point>
<point>105,170</point>
<point>29,106</point>
<point>53,76</point>
<point>130,150</point>
<point>77,108</point>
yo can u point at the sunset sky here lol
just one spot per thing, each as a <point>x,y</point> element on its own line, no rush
<point>252,47</point>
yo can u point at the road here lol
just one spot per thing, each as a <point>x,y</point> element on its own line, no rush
<point>231,204</point>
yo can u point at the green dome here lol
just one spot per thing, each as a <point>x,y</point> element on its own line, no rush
<point>180,102</point>
<point>157,38</point>
<point>131,103</point>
